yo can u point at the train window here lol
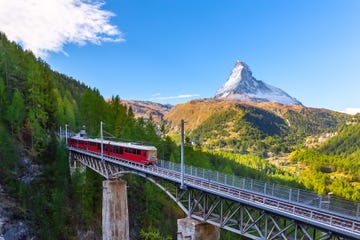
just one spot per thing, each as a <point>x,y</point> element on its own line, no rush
<point>115,149</point>
<point>144,153</point>
<point>121,150</point>
<point>132,151</point>
<point>138,152</point>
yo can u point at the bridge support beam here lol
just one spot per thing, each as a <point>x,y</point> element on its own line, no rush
<point>189,228</point>
<point>115,219</point>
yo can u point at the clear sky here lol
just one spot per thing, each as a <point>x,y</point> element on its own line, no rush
<point>171,51</point>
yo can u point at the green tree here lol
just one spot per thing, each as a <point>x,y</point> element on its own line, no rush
<point>3,96</point>
<point>15,113</point>
<point>92,111</point>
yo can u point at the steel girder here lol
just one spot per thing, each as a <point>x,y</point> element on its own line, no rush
<point>245,220</point>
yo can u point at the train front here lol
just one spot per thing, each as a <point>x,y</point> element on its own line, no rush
<point>152,155</point>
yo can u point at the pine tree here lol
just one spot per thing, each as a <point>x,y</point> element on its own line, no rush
<point>3,97</point>
<point>15,113</point>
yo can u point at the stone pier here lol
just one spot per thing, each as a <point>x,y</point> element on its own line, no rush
<point>191,229</point>
<point>115,219</point>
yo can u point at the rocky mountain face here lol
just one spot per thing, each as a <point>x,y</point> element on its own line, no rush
<point>12,223</point>
<point>242,86</point>
<point>146,108</point>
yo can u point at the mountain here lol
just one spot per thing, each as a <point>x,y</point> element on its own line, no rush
<point>242,86</point>
<point>146,108</point>
<point>250,126</point>
<point>195,112</point>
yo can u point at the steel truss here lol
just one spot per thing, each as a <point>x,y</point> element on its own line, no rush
<point>242,219</point>
<point>245,220</point>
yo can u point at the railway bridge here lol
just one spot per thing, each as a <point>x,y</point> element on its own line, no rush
<point>212,200</point>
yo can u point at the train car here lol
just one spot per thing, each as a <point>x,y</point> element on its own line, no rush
<point>129,151</point>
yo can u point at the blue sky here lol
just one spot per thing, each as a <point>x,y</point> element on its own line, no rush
<point>172,51</point>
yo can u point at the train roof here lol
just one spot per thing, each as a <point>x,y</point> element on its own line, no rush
<point>121,144</point>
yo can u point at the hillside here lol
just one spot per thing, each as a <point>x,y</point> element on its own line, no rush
<point>34,102</point>
<point>34,99</point>
<point>249,127</point>
<point>333,166</point>
<point>195,112</point>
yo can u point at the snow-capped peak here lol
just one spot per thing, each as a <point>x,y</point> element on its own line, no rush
<point>242,86</point>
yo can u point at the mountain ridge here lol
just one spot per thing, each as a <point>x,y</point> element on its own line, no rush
<point>201,109</point>
<point>225,123</point>
<point>145,109</point>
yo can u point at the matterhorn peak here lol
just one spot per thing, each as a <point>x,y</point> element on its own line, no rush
<point>242,86</point>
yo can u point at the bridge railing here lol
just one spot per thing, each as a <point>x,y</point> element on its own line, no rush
<point>326,203</point>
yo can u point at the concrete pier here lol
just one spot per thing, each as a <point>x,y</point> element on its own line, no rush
<point>191,229</point>
<point>115,219</point>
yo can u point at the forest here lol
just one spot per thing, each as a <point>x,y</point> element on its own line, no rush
<point>35,101</point>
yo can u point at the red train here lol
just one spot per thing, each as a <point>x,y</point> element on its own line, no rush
<point>129,151</point>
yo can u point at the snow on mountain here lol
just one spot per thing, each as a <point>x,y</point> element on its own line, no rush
<point>242,86</point>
